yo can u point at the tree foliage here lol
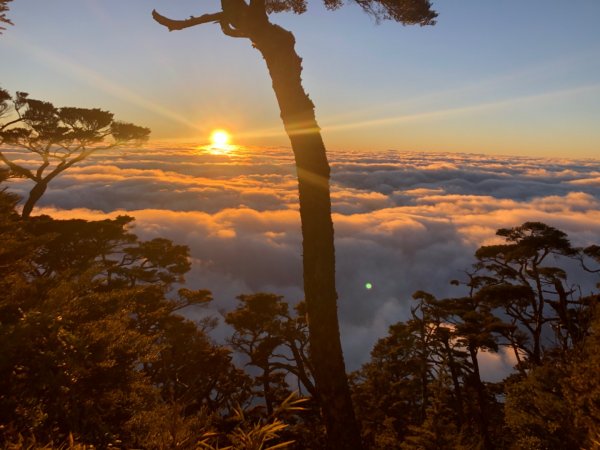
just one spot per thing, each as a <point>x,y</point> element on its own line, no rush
<point>275,341</point>
<point>3,18</point>
<point>581,388</point>
<point>423,387</point>
<point>90,339</point>
<point>58,137</point>
<point>94,349</point>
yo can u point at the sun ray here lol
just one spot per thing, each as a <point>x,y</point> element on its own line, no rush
<point>77,71</point>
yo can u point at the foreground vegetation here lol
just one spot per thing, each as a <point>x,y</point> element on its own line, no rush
<point>423,387</point>
<point>95,349</point>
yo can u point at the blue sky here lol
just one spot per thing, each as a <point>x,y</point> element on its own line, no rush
<point>507,77</point>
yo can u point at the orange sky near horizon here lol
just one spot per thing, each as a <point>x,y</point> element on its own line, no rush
<point>520,79</point>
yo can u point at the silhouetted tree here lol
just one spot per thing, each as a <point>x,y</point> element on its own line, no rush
<point>438,430</point>
<point>388,390</point>
<point>274,341</point>
<point>250,20</point>
<point>59,137</point>
<point>475,328</point>
<point>393,390</point>
<point>70,352</point>
<point>592,252</point>
<point>257,336</point>
<point>556,403</point>
<point>442,349</point>
<point>581,387</point>
<point>423,386</point>
<point>106,246</point>
<point>90,344</point>
<point>419,385</point>
<point>197,381</point>
<point>516,277</point>
<point>537,413</point>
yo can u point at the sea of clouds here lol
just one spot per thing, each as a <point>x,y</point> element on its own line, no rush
<point>403,221</point>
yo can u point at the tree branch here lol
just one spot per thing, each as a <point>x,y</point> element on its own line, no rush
<point>10,123</point>
<point>41,169</point>
<point>16,168</point>
<point>181,24</point>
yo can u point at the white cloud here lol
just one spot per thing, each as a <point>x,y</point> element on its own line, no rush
<point>403,221</point>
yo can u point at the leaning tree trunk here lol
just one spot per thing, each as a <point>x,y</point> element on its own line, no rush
<point>41,182</point>
<point>34,195</point>
<point>297,112</point>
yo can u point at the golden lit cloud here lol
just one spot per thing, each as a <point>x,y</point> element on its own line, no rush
<point>394,213</point>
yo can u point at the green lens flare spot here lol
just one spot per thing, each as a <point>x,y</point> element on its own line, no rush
<point>368,286</point>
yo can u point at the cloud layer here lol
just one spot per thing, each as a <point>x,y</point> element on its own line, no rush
<point>403,221</point>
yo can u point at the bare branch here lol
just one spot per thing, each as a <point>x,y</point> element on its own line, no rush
<point>192,21</point>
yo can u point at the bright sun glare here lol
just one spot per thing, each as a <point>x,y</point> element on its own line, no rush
<point>220,139</point>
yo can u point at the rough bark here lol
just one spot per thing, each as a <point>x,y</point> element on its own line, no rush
<point>297,112</point>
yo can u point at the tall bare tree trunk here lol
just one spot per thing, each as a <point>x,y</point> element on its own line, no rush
<point>242,20</point>
<point>297,112</point>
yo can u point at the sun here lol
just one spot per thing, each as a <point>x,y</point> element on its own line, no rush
<point>219,139</point>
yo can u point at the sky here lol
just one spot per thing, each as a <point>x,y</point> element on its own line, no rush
<point>404,221</point>
<point>510,77</point>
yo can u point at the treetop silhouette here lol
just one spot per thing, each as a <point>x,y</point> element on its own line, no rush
<point>60,137</point>
<point>233,21</point>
